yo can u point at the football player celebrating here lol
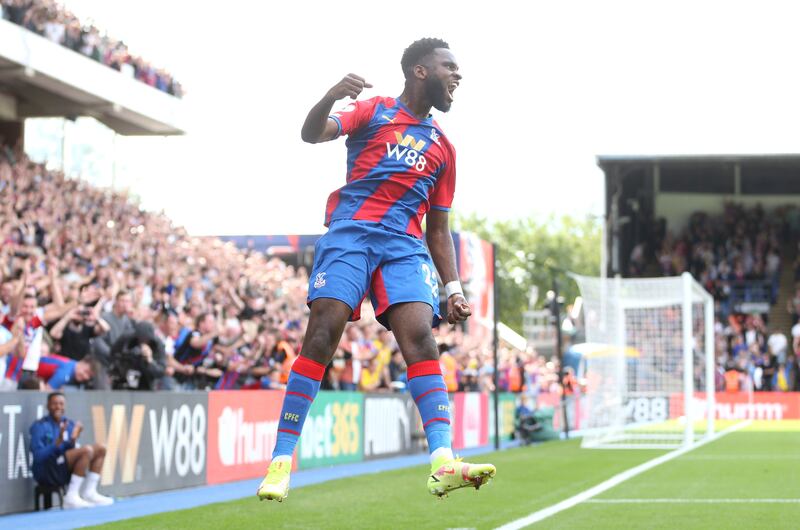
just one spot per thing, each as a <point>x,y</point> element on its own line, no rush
<point>400,167</point>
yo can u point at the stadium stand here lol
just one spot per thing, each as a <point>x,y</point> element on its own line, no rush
<point>737,256</point>
<point>136,303</point>
<point>50,20</point>
<point>731,222</point>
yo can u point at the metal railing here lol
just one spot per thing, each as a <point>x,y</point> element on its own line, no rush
<point>751,296</point>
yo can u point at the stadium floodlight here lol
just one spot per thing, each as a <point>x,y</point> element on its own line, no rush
<point>651,349</point>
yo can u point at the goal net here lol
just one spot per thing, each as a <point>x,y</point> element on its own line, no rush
<point>654,348</point>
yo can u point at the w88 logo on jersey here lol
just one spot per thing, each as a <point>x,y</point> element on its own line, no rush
<point>408,150</point>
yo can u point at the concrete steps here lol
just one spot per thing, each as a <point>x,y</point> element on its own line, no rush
<point>779,318</point>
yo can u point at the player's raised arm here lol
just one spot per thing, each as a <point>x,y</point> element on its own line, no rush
<point>443,253</point>
<point>318,127</point>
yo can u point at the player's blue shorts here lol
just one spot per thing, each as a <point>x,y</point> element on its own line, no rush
<point>359,257</point>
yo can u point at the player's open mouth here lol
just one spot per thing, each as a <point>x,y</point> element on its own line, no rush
<point>450,89</point>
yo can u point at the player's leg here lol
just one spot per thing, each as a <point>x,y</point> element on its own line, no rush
<point>337,284</point>
<point>411,323</point>
<point>77,462</point>
<point>406,297</point>
<point>325,327</point>
<point>89,490</point>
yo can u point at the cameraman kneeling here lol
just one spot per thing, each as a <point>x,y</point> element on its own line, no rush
<point>138,360</point>
<point>526,423</point>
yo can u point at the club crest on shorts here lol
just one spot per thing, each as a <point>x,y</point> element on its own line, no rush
<point>319,281</point>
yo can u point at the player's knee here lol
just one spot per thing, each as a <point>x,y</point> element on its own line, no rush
<point>420,344</point>
<point>100,450</point>
<point>319,344</point>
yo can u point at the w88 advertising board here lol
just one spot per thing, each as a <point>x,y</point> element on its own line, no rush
<point>154,441</point>
<point>166,440</point>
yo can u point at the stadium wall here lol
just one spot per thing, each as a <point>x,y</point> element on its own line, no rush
<point>161,441</point>
<point>646,409</point>
<point>677,208</point>
<point>756,406</point>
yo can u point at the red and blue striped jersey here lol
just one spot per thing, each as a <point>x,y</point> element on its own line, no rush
<point>56,370</point>
<point>15,363</point>
<point>398,166</point>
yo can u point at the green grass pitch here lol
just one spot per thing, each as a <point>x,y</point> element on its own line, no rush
<point>759,462</point>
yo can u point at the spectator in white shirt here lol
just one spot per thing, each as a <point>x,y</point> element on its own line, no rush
<point>778,344</point>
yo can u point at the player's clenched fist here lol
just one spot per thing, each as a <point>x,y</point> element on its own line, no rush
<point>457,309</point>
<point>350,85</point>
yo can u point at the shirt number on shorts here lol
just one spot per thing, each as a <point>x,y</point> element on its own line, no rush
<point>430,279</point>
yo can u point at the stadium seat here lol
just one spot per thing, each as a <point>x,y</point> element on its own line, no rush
<point>47,493</point>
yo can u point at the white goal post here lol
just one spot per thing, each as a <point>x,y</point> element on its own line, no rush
<point>653,344</point>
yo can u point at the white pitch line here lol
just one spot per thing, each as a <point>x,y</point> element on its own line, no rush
<point>745,458</point>
<point>583,496</point>
<point>693,501</point>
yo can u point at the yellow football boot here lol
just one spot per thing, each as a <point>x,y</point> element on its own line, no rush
<point>275,486</point>
<point>454,474</point>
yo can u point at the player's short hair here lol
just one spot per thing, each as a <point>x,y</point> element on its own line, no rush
<point>51,395</point>
<point>417,50</point>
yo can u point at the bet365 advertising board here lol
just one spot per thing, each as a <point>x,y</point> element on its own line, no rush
<point>334,430</point>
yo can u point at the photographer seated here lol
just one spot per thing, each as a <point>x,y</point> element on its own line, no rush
<point>57,462</point>
<point>525,423</point>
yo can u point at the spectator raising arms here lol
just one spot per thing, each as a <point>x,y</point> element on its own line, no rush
<point>124,299</point>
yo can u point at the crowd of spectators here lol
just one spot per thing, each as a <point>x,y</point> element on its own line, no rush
<point>753,356</point>
<point>52,21</point>
<point>97,293</point>
<point>736,255</point>
<point>793,304</point>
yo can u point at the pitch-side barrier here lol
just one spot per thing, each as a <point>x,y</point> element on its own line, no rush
<point>161,441</point>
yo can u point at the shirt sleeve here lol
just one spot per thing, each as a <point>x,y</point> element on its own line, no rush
<point>41,449</point>
<point>62,375</point>
<point>354,116</point>
<point>445,188</point>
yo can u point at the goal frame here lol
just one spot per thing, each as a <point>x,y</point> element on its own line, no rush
<point>691,293</point>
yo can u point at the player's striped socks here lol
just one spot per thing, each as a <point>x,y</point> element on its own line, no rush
<point>302,387</point>
<point>426,383</point>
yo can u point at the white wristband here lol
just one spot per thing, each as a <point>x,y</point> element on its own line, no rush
<point>452,288</point>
